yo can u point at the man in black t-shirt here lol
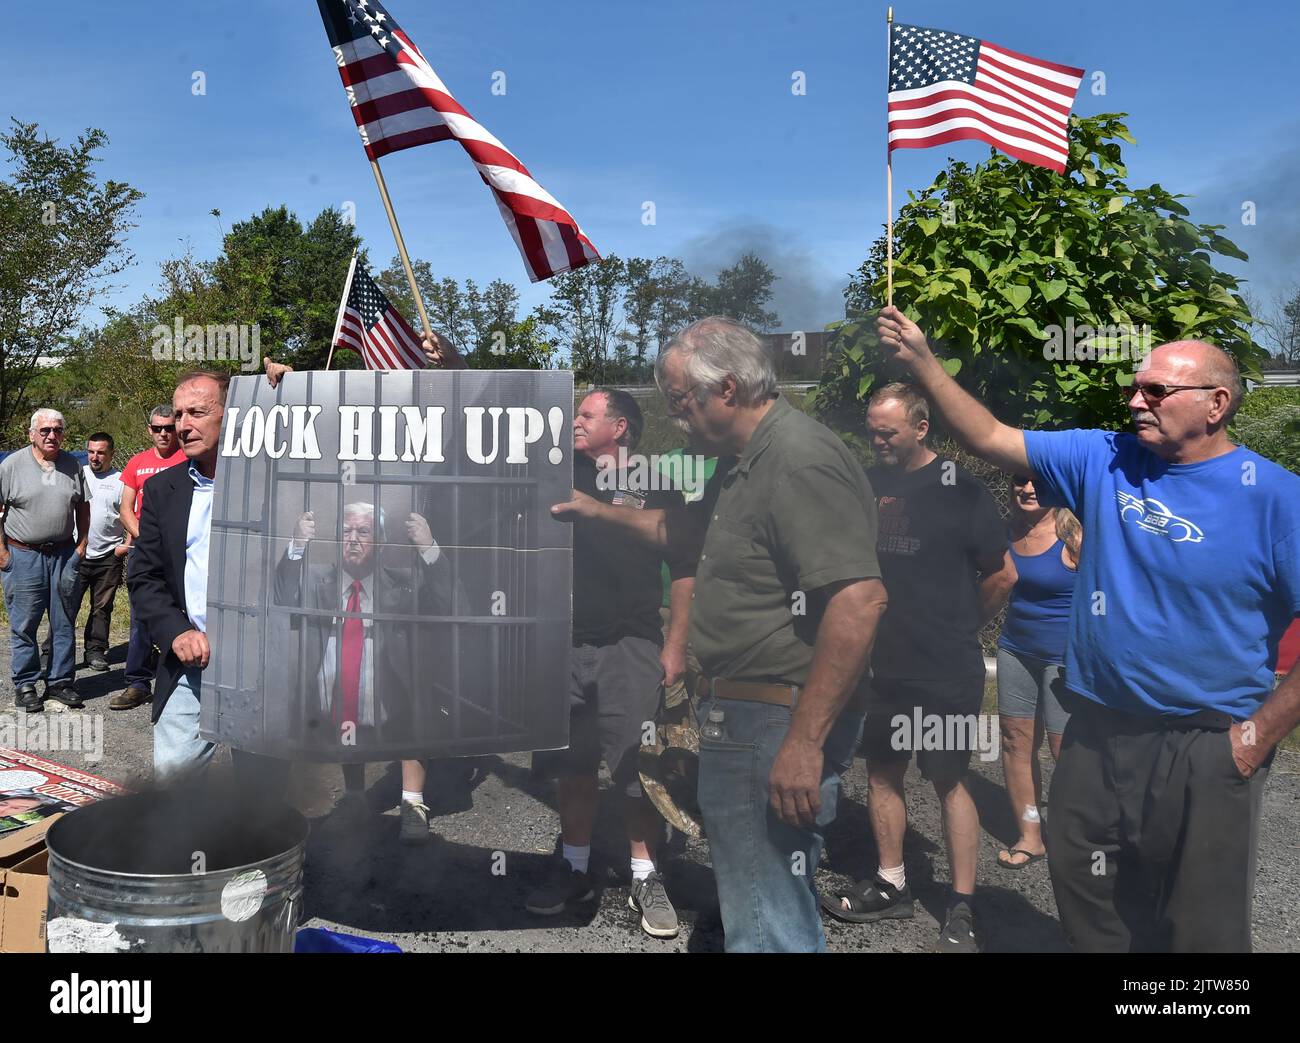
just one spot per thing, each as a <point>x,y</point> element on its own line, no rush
<point>943,556</point>
<point>617,667</point>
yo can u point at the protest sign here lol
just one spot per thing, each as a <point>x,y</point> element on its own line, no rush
<point>385,578</point>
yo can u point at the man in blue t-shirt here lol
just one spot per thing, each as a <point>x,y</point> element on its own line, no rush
<point>1188,578</point>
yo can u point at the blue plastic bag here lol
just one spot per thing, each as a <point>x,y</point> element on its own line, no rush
<point>318,939</point>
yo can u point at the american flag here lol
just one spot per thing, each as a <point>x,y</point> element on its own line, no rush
<point>369,324</point>
<point>944,87</point>
<point>399,102</point>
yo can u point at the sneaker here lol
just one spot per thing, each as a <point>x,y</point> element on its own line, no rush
<point>415,823</point>
<point>95,661</point>
<point>958,934</point>
<point>563,885</point>
<point>658,917</point>
<point>63,695</point>
<point>869,901</point>
<point>130,698</point>
<point>28,700</point>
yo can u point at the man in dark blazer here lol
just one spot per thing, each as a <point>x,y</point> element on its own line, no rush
<point>168,581</point>
<point>168,574</point>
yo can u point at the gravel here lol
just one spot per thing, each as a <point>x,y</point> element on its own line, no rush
<point>495,826</point>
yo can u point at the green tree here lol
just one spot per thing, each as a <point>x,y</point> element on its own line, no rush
<point>584,314</point>
<point>62,234</point>
<point>1279,325</point>
<point>1269,423</point>
<point>522,344</point>
<point>995,262</point>
<point>672,306</point>
<point>742,291</point>
<point>287,279</point>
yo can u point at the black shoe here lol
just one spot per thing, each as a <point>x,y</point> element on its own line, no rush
<point>563,885</point>
<point>958,933</point>
<point>96,661</point>
<point>28,700</point>
<point>64,693</point>
<point>870,900</point>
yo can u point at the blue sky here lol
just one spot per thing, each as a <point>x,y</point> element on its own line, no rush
<point>611,104</point>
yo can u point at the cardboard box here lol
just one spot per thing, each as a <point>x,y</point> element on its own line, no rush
<point>24,888</point>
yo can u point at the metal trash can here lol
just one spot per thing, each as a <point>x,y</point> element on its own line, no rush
<point>175,871</point>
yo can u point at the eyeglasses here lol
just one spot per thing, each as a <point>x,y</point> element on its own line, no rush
<point>1160,392</point>
<point>160,428</point>
<point>676,399</point>
<point>1020,479</point>
<point>46,431</point>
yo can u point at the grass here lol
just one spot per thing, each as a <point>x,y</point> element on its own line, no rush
<point>119,629</point>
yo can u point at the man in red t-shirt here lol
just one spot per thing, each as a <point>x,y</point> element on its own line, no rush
<point>140,661</point>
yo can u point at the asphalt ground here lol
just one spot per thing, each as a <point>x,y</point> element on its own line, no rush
<point>496,825</point>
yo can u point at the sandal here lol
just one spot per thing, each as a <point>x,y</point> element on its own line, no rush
<point>1015,867</point>
<point>869,900</point>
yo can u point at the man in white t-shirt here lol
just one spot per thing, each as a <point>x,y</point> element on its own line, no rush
<point>100,572</point>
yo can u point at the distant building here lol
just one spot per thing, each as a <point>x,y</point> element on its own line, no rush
<point>798,354</point>
<point>1286,378</point>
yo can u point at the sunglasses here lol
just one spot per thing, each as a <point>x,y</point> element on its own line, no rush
<point>49,430</point>
<point>1160,392</point>
<point>1020,479</point>
<point>160,428</point>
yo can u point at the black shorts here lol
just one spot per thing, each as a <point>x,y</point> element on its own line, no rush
<point>939,721</point>
<point>614,699</point>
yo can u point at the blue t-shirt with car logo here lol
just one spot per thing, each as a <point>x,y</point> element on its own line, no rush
<point>1189,575</point>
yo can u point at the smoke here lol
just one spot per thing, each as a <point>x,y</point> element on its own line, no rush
<point>1273,241</point>
<point>806,294</point>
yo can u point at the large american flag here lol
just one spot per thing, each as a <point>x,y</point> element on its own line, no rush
<point>944,87</point>
<point>370,325</point>
<point>399,102</point>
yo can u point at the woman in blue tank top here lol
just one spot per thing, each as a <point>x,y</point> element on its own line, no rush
<point>1031,655</point>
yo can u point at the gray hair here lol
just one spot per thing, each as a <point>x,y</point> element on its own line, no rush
<point>713,349</point>
<point>376,513</point>
<point>52,413</point>
<point>161,410</point>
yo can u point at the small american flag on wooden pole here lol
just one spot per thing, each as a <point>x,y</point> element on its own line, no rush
<point>369,325</point>
<point>948,87</point>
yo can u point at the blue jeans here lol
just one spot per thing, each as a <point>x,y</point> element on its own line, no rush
<point>140,659</point>
<point>35,583</point>
<point>177,747</point>
<point>763,867</point>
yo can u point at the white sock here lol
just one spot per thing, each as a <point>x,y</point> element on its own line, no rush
<point>897,877</point>
<point>642,868</point>
<point>412,797</point>
<point>577,857</point>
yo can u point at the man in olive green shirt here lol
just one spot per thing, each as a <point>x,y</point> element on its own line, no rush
<point>787,599</point>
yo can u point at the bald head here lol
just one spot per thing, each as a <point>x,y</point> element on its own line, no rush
<point>1195,362</point>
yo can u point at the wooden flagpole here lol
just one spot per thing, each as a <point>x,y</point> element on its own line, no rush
<point>889,169</point>
<point>343,303</point>
<point>401,250</point>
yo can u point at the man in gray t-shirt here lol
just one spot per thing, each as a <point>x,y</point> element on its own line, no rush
<point>43,492</point>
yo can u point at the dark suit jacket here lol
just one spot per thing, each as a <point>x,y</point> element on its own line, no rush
<point>156,574</point>
<point>402,651</point>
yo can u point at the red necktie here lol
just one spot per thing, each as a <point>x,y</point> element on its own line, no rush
<point>353,640</point>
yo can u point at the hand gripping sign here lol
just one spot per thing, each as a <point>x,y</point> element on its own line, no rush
<point>385,579</point>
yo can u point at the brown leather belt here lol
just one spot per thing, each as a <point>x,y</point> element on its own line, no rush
<point>748,691</point>
<point>40,548</point>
